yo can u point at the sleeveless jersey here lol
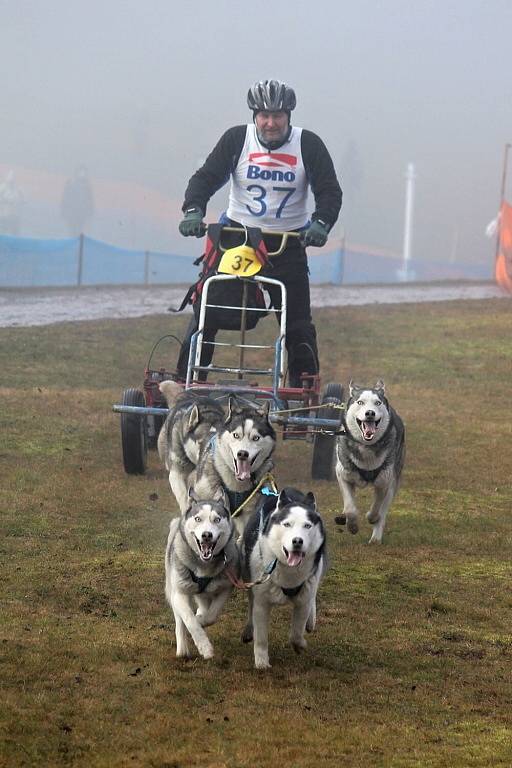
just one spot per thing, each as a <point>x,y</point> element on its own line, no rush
<point>269,188</point>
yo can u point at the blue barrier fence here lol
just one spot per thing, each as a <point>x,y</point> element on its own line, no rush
<point>28,262</point>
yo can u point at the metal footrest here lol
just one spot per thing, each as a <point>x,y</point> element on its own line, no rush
<point>238,346</point>
<point>246,371</point>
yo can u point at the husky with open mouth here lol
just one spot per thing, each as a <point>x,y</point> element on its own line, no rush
<point>201,552</point>
<point>237,455</point>
<point>283,560</point>
<point>370,451</point>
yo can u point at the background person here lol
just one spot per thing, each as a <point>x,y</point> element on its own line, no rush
<point>11,200</point>
<point>77,202</point>
<point>271,165</point>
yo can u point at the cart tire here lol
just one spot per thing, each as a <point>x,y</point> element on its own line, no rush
<point>134,434</point>
<point>324,446</point>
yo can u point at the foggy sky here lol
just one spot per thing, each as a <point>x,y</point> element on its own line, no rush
<point>141,92</point>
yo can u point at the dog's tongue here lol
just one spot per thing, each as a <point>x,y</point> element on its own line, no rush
<point>243,469</point>
<point>206,550</point>
<point>369,429</point>
<point>294,558</point>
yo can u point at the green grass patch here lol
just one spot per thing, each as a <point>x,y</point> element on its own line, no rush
<point>410,663</point>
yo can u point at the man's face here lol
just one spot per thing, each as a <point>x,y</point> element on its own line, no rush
<point>271,126</point>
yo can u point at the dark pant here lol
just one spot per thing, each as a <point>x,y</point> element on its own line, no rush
<point>291,268</point>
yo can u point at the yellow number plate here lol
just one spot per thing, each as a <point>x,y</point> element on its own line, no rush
<point>241,261</point>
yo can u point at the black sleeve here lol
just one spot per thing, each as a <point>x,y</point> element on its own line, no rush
<point>321,177</point>
<point>216,170</point>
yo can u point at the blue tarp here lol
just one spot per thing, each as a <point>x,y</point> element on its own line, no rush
<point>28,262</point>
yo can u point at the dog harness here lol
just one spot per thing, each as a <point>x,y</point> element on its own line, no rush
<point>292,591</point>
<point>369,475</point>
<point>267,486</point>
<point>238,499</point>
<point>210,260</point>
<point>201,581</point>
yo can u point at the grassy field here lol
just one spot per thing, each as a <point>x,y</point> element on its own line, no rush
<point>411,661</point>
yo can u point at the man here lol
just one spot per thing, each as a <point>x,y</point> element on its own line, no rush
<point>77,202</point>
<point>271,164</point>
<point>11,201</point>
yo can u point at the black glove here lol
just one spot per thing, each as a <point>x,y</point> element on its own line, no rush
<point>316,234</point>
<point>193,225</point>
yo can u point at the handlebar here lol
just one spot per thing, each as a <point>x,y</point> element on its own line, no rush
<point>283,235</point>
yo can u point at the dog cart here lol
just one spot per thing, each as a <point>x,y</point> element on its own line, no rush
<point>303,413</point>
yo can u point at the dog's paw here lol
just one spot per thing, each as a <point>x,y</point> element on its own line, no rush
<point>262,663</point>
<point>247,634</point>
<point>372,516</point>
<point>299,644</point>
<point>352,524</point>
<point>206,651</point>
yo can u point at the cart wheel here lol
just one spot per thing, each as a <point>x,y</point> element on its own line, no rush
<point>134,434</point>
<point>324,446</point>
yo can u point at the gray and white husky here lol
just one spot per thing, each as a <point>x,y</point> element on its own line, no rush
<point>237,455</point>
<point>191,422</point>
<point>200,553</point>
<point>284,558</point>
<point>370,451</point>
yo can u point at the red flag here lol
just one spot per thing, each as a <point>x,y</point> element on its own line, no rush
<point>503,269</point>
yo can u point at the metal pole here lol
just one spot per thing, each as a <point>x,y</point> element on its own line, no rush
<point>409,209</point>
<point>243,322</point>
<point>502,198</point>
<point>146,267</point>
<point>455,245</point>
<point>80,260</point>
<point>339,261</point>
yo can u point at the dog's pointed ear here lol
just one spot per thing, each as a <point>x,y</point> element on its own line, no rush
<point>194,418</point>
<point>380,387</point>
<point>221,496</point>
<point>353,387</point>
<point>311,500</point>
<point>232,408</point>
<point>283,499</point>
<point>264,410</point>
<point>192,496</point>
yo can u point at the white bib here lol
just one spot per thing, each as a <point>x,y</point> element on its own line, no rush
<point>269,188</point>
